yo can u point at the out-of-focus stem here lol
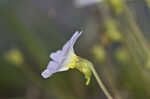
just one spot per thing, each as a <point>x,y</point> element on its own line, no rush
<point>101,85</point>
<point>148,3</point>
<point>137,33</point>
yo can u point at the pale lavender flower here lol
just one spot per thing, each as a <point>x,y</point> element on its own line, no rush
<point>61,58</point>
<point>82,3</point>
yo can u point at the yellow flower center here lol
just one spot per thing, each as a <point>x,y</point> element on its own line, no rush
<point>74,59</point>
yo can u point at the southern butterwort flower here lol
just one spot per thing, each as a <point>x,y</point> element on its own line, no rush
<point>83,3</point>
<point>65,59</point>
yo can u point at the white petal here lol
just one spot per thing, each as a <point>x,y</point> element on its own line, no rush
<point>57,56</point>
<point>60,55</point>
<point>63,68</point>
<point>69,45</point>
<point>46,73</point>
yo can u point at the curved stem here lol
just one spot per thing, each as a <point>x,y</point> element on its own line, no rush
<point>100,83</point>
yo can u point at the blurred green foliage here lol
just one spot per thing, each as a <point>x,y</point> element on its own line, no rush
<point>14,56</point>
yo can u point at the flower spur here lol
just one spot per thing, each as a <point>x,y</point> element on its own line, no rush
<point>65,59</point>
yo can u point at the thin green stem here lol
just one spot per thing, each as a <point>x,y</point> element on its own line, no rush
<point>100,83</point>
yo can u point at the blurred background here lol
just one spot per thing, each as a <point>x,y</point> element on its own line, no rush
<point>115,39</point>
